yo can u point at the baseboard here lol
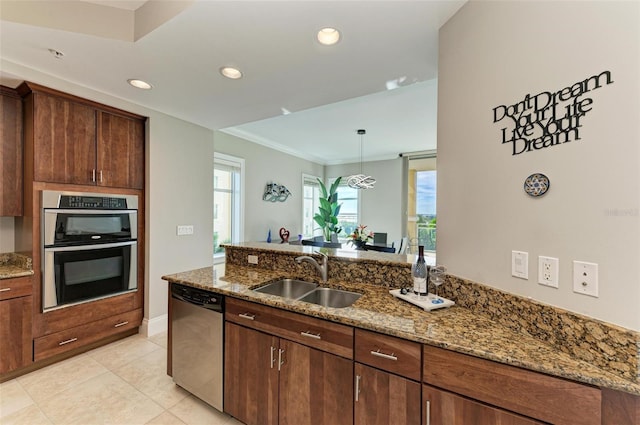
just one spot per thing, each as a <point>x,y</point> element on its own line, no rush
<point>154,326</point>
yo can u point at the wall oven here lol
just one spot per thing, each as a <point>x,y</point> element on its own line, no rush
<point>89,247</point>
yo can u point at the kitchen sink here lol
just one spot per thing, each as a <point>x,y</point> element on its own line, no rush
<point>287,288</point>
<point>328,297</point>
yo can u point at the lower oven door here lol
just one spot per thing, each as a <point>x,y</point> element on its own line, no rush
<point>76,274</point>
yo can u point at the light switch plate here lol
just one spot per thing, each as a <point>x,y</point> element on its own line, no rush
<point>585,278</point>
<point>182,230</point>
<point>520,264</point>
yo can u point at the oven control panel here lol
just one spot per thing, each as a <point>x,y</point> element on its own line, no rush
<point>93,202</point>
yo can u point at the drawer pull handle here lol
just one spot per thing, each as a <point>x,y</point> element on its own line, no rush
<point>121,324</point>
<point>247,316</point>
<point>68,341</point>
<point>5,289</point>
<point>378,353</point>
<point>311,335</point>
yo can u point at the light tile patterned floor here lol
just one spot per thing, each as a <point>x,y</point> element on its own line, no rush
<point>121,383</point>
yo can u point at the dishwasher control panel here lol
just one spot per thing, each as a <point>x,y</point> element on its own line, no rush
<point>197,296</point>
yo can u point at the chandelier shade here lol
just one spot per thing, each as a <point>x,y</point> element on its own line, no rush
<point>361,181</point>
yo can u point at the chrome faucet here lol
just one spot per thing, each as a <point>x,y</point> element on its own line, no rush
<point>322,269</point>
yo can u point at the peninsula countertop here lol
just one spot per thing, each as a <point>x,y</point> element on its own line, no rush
<point>455,328</point>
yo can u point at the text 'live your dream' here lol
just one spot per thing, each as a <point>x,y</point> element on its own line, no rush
<point>548,119</point>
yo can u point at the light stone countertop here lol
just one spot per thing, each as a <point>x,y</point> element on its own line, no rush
<point>456,328</point>
<point>15,265</point>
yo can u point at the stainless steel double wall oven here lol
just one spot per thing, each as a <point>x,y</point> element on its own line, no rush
<point>89,246</point>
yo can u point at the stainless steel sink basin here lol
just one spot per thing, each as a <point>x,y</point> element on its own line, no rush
<point>328,297</point>
<point>288,288</point>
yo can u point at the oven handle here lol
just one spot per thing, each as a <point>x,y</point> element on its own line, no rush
<point>87,247</point>
<point>89,212</point>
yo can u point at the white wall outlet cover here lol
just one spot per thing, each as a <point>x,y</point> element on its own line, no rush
<point>548,268</point>
<point>252,259</point>
<point>585,278</point>
<point>182,230</point>
<point>520,264</point>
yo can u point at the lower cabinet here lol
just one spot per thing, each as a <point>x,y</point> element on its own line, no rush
<point>269,380</point>
<point>445,408</point>
<point>383,398</point>
<point>15,333</point>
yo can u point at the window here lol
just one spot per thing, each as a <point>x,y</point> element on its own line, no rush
<point>348,216</point>
<point>228,217</point>
<point>421,225</point>
<point>310,203</point>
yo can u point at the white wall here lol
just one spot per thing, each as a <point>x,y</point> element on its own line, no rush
<point>382,208</point>
<point>179,189</point>
<point>7,226</point>
<point>494,53</point>
<point>262,166</point>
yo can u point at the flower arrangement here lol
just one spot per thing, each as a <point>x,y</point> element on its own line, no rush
<point>360,235</point>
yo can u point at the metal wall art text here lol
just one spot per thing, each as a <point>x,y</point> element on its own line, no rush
<point>548,119</point>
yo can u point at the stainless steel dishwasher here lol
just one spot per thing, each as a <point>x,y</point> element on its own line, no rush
<point>197,342</point>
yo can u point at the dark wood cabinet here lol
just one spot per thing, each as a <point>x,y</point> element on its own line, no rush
<point>120,151</point>
<point>250,378</point>
<point>16,304</point>
<point>64,140</point>
<point>270,379</point>
<point>72,140</point>
<point>383,398</point>
<point>10,152</point>
<point>445,408</point>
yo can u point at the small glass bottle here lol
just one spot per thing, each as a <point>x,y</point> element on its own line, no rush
<point>419,273</point>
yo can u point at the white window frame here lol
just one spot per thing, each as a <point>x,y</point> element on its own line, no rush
<point>316,203</point>
<point>239,201</point>
<point>343,182</point>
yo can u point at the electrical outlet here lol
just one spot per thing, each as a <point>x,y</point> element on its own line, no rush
<point>520,264</point>
<point>585,278</point>
<point>548,271</point>
<point>184,230</point>
<point>252,259</point>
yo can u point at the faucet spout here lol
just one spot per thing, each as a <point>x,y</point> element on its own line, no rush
<point>322,269</point>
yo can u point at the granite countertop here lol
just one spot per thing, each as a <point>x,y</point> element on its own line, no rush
<point>456,328</point>
<point>15,265</point>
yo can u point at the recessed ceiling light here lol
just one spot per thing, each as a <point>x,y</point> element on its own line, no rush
<point>230,72</point>
<point>328,36</point>
<point>139,84</point>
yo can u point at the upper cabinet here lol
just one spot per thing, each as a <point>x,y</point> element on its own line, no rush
<point>76,141</point>
<point>10,152</point>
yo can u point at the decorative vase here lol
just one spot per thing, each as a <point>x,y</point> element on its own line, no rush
<point>359,245</point>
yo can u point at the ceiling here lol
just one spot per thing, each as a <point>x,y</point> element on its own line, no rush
<point>296,95</point>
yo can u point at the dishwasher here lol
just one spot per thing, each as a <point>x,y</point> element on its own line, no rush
<point>197,342</point>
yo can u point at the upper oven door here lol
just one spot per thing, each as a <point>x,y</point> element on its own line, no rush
<point>67,227</point>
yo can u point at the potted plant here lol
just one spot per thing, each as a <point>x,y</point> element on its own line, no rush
<point>327,217</point>
<point>360,237</point>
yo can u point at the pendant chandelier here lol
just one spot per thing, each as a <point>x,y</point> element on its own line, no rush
<point>361,181</point>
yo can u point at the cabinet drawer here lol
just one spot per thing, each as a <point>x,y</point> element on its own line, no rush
<point>317,333</point>
<point>389,353</point>
<point>79,336</point>
<point>532,394</point>
<point>15,287</point>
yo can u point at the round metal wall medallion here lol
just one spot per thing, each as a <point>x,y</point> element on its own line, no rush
<point>536,184</point>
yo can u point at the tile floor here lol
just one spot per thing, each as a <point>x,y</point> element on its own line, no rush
<point>124,382</point>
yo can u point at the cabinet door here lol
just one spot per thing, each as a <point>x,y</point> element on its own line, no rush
<point>250,375</point>
<point>120,151</point>
<point>445,408</point>
<point>315,387</point>
<point>15,333</point>
<point>10,153</point>
<point>64,141</point>
<point>383,398</point>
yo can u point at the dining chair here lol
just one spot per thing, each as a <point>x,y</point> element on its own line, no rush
<point>379,238</point>
<point>404,244</point>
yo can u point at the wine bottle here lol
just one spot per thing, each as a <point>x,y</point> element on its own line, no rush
<point>419,274</point>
